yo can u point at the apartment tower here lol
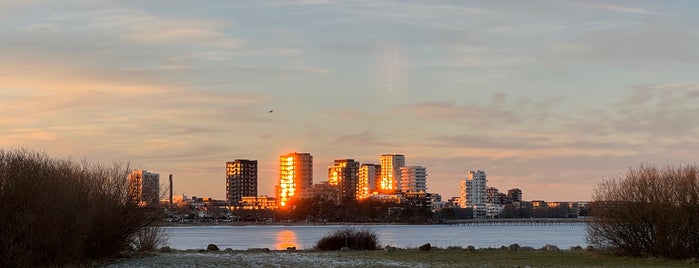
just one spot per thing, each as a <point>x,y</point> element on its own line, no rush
<point>515,195</point>
<point>241,180</point>
<point>345,174</point>
<point>295,175</point>
<point>413,179</point>
<point>473,192</point>
<point>144,187</point>
<point>369,180</point>
<point>390,173</point>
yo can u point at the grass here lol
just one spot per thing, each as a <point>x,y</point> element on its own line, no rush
<point>498,258</point>
<point>399,258</point>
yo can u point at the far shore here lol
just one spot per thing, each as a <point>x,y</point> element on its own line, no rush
<point>536,221</point>
<point>252,223</point>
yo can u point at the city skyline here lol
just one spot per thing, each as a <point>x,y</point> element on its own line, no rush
<point>548,96</point>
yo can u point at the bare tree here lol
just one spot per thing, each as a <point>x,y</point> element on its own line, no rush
<point>648,211</point>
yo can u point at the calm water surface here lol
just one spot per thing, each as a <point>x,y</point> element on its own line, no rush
<point>304,237</point>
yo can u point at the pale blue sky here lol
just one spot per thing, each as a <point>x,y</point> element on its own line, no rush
<point>547,96</point>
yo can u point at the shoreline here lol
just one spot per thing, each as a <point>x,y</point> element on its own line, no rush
<point>513,221</point>
<point>179,224</point>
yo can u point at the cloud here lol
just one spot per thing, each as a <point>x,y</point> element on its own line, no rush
<point>364,138</point>
<point>657,42</point>
<point>660,110</point>
<point>500,110</point>
<point>489,142</point>
<point>28,134</point>
<point>139,26</point>
<point>613,8</point>
<point>448,111</point>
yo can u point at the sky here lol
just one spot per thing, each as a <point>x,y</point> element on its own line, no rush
<point>551,97</point>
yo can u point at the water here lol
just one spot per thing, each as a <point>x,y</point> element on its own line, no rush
<point>280,237</point>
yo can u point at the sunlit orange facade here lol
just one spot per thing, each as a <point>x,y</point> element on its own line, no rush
<point>369,175</point>
<point>144,187</point>
<point>295,174</point>
<point>258,202</point>
<point>390,172</point>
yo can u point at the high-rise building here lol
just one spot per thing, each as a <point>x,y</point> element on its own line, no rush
<point>369,180</point>
<point>241,180</point>
<point>390,172</point>
<point>515,195</point>
<point>295,175</point>
<point>144,187</point>
<point>345,174</point>
<point>473,193</point>
<point>492,195</point>
<point>413,179</point>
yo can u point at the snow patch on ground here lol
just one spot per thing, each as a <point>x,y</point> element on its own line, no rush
<point>258,259</point>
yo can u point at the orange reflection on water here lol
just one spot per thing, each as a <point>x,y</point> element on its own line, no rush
<point>286,239</point>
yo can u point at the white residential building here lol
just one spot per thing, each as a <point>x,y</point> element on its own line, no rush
<point>493,209</point>
<point>473,193</point>
<point>413,179</point>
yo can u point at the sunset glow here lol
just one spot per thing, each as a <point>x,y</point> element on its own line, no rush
<point>550,96</point>
<point>285,239</point>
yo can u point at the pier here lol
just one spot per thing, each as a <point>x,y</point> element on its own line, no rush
<point>518,221</point>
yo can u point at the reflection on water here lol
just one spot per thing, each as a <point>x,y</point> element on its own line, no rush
<point>280,237</point>
<point>285,239</point>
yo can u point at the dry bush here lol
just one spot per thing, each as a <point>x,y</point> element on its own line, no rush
<point>648,211</point>
<point>150,238</point>
<point>57,212</point>
<point>356,239</point>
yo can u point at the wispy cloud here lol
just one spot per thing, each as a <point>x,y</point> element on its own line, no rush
<point>660,110</point>
<point>364,138</point>
<point>632,44</point>
<point>139,26</point>
<point>613,8</point>
<point>498,110</point>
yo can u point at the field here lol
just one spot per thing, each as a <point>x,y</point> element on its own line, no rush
<point>400,258</point>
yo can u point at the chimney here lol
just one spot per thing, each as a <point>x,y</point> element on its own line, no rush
<point>170,192</point>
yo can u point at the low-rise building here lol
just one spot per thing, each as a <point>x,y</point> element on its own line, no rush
<point>258,202</point>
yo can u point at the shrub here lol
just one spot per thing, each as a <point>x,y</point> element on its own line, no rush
<point>355,239</point>
<point>57,212</point>
<point>150,238</point>
<point>648,211</point>
<point>212,247</point>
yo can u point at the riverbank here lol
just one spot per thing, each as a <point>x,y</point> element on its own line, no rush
<point>398,258</point>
